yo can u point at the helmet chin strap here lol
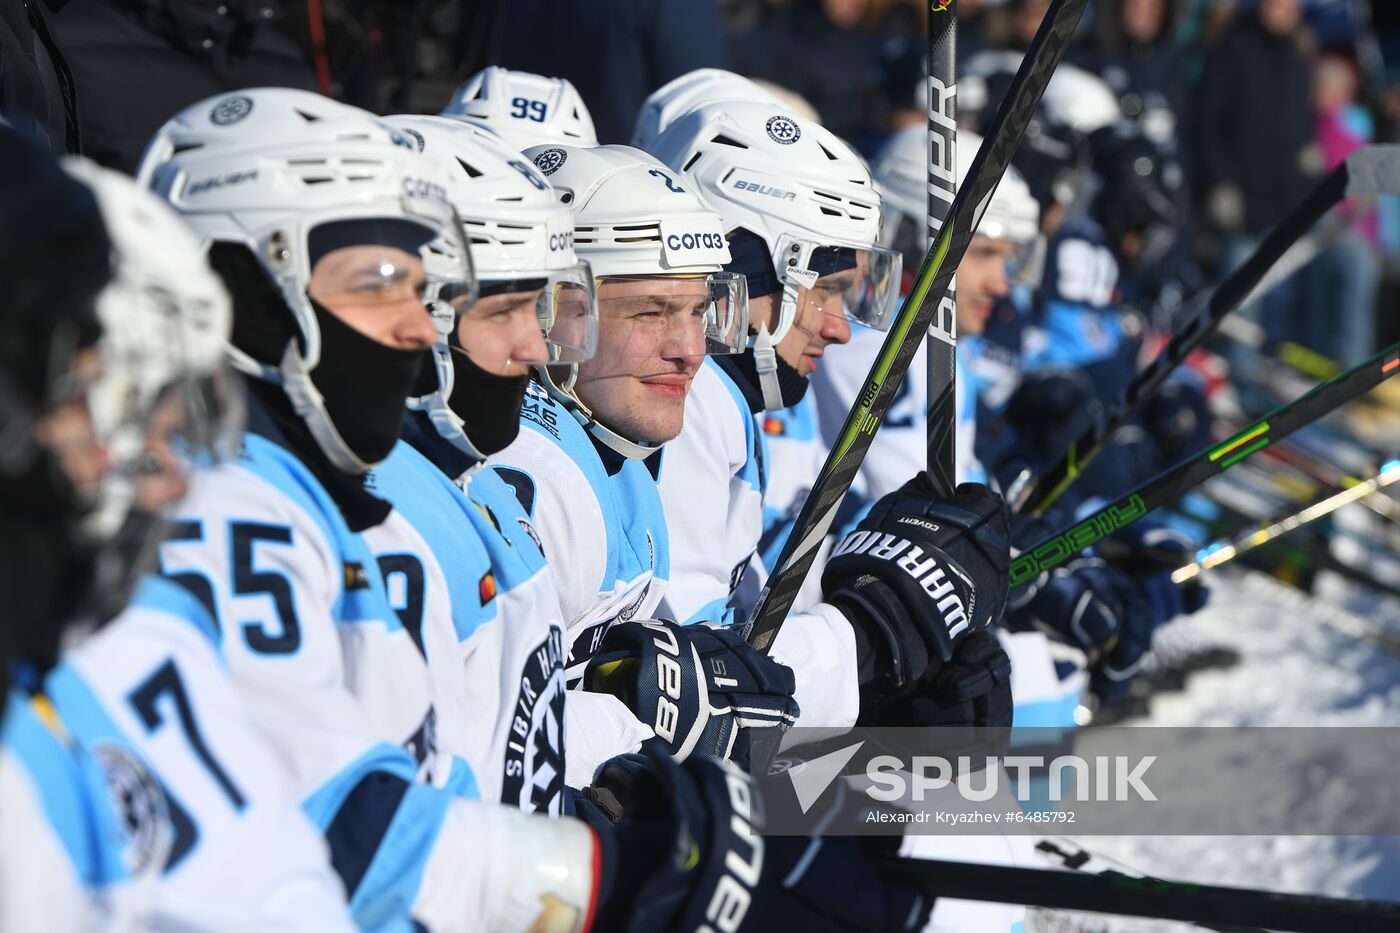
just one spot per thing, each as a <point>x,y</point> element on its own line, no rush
<point>310,406</point>
<point>564,394</point>
<point>765,356</point>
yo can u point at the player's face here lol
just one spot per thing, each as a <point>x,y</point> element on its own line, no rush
<point>820,321</point>
<point>161,480</point>
<point>982,279</point>
<point>67,430</point>
<point>651,341</point>
<point>501,333</point>
<point>377,290</point>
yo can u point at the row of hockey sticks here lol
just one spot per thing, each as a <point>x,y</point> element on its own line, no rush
<point>1370,170</point>
<point>1185,476</point>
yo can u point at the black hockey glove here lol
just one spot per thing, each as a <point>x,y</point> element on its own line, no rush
<point>915,577</point>
<point>682,851</point>
<point>699,687</point>
<point>972,689</point>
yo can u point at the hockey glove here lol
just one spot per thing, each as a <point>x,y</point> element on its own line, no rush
<point>700,688</point>
<point>916,576</point>
<point>972,689</point>
<point>682,851</point>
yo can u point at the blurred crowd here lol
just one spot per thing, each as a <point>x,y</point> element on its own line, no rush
<point>1245,103</point>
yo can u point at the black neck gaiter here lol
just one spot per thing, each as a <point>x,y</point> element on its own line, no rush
<point>489,405</point>
<point>364,384</point>
<point>743,369</point>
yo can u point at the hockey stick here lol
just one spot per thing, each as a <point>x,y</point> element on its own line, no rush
<point>941,343</point>
<point>914,318</point>
<point>1370,170</point>
<point>1072,856</point>
<point>1220,907</point>
<point>1166,486</point>
<point>1222,552</point>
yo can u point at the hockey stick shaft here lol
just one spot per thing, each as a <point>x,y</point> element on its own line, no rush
<point>1073,856</point>
<point>1168,485</point>
<point>1366,171</point>
<point>913,320</point>
<point>1220,907</point>
<point>1225,551</point>
<point>941,347</point>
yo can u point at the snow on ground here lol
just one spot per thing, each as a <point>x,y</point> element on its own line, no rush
<point>1303,662</point>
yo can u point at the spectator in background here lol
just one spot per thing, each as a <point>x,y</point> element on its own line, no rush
<point>1025,21</point>
<point>1132,49</point>
<point>615,52</point>
<point>1336,312</point>
<point>139,62</point>
<point>1256,156</point>
<point>822,50</point>
<point>36,88</point>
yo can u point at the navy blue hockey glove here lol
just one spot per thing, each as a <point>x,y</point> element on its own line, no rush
<point>682,852</point>
<point>916,576</point>
<point>699,687</point>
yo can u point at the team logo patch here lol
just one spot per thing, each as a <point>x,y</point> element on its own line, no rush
<point>230,110</point>
<point>534,760</point>
<point>783,130</point>
<point>551,160</point>
<point>486,587</point>
<point>140,802</point>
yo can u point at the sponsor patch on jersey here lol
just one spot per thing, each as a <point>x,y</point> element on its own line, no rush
<point>783,130</point>
<point>139,800</point>
<point>486,587</point>
<point>551,160</point>
<point>694,241</point>
<point>774,427</point>
<point>230,110</point>
<point>534,759</point>
<point>355,576</point>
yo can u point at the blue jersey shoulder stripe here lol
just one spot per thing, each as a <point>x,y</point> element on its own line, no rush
<point>160,594</point>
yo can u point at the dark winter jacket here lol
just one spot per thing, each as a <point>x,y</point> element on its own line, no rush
<point>1256,121</point>
<point>615,52</point>
<point>36,90</point>
<point>139,62</point>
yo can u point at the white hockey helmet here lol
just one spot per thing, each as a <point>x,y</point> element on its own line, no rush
<point>802,191</point>
<point>521,236</point>
<point>524,109</point>
<point>266,169</point>
<point>901,174</point>
<point>634,218</point>
<point>165,325</point>
<point>692,89</point>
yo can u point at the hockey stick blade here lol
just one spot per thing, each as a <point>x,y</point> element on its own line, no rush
<point>915,315</point>
<point>1171,483</point>
<point>1369,170</point>
<point>1206,905</point>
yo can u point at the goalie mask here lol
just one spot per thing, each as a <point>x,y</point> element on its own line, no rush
<point>658,257</point>
<point>337,210</point>
<point>522,242</point>
<point>808,197</point>
<point>524,109</point>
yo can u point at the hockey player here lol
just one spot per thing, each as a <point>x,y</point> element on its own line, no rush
<point>802,218</point>
<point>523,109</point>
<point>329,229</point>
<point>139,714</point>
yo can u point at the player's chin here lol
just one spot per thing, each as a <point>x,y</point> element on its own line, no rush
<point>658,422</point>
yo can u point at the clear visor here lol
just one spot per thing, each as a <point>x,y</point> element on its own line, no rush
<point>568,314</point>
<point>551,317</point>
<point>369,265</point>
<point>678,315</point>
<point>856,282</point>
<point>1025,266</point>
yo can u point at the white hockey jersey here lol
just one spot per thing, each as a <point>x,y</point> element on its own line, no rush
<point>202,797</point>
<point>711,486</point>
<point>900,448</point>
<point>63,854</point>
<point>335,681</point>
<point>463,568</point>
